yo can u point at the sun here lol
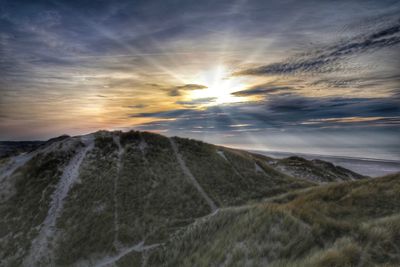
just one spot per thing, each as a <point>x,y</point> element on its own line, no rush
<point>220,86</point>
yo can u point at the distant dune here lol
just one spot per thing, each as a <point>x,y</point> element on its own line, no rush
<point>365,166</point>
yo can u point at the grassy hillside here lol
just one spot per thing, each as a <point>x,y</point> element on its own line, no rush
<point>348,224</point>
<point>127,199</point>
<point>233,177</point>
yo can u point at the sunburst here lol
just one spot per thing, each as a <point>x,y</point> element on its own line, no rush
<point>220,86</point>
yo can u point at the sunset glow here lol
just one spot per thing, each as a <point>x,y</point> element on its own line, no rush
<point>194,69</point>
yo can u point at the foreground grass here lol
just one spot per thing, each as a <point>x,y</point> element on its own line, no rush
<point>348,224</point>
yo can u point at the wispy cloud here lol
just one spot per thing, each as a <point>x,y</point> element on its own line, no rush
<point>326,59</point>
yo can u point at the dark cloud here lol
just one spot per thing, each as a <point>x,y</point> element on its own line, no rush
<point>138,106</point>
<point>176,91</point>
<point>301,108</point>
<point>262,89</point>
<point>285,111</point>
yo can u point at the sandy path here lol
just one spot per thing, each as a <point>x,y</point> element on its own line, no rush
<point>259,169</point>
<point>40,245</point>
<point>192,179</point>
<point>116,216</point>
<point>222,154</point>
<point>142,145</point>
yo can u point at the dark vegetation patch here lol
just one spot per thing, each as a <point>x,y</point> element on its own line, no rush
<point>133,259</point>
<point>12,148</point>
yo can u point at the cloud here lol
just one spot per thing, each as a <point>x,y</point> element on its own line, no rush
<point>299,108</point>
<point>376,80</point>
<point>262,89</point>
<point>163,114</point>
<point>138,106</point>
<point>357,119</point>
<point>176,91</point>
<point>283,111</point>
<point>195,102</point>
<point>326,59</point>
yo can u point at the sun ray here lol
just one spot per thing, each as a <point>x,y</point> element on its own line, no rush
<point>128,47</point>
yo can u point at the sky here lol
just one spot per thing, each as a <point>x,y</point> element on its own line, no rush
<point>309,76</point>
